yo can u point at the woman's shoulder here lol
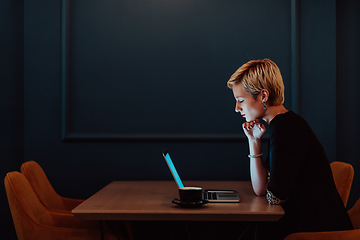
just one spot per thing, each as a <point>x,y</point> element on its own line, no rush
<point>290,125</point>
<point>289,121</point>
<point>288,117</point>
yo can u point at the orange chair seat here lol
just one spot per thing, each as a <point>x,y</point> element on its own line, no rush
<point>33,221</point>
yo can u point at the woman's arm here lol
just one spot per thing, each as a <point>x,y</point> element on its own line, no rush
<point>258,173</point>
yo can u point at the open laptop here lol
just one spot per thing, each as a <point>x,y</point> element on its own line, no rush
<point>210,195</point>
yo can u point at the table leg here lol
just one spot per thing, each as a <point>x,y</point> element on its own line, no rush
<point>245,230</point>
<point>187,231</point>
<point>101,230</point>
<point>256,230</point>
<point>113,231</point>
<point>130,230</point>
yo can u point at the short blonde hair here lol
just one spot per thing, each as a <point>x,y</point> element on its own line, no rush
<point>257,75</point>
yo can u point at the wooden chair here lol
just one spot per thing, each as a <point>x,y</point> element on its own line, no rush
<point>33,221</point>
<point>343,174</point>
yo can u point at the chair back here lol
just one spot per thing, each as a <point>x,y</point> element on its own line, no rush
<point>354,214</point>
<point>343,174</point>
<point>41,185</point>
<point>25,207</point>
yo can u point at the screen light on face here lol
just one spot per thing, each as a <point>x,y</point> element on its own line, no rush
<point>173,171</point>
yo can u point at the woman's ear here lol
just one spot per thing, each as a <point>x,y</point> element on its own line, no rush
<point>264,95</point>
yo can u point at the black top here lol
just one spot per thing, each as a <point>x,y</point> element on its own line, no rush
<point>301,179</point>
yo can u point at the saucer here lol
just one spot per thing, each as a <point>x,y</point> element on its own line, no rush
<point>189,204</point>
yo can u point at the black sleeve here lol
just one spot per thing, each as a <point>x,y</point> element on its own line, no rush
<point>286,155</point>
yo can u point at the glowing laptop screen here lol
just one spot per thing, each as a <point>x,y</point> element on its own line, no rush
<point>173,169</point>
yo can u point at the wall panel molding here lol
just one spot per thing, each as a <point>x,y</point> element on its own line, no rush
<point>295,55</point>
<point>65,70</point>
<point>67,134</point>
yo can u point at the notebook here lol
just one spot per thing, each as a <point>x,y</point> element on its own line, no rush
<point>210,195</point>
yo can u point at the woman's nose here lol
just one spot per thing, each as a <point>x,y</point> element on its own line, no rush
<point>237,107</point>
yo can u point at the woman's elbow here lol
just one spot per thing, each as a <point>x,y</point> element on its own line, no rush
<point>260,193</point>
<point>259,187</point>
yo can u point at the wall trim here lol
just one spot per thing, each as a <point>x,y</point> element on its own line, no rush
<point>65,70</point>
<point>67,135</point>
<point>88,137</point>
<point>295,56</point>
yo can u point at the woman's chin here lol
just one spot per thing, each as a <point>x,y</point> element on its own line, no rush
<point>249,119</point>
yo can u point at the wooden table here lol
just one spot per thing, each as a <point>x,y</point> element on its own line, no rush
<point>151,200</point>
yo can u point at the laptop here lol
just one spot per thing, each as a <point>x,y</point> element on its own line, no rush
<point>230,196</point>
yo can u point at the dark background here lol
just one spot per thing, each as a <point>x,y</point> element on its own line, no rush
<point>100,99</point>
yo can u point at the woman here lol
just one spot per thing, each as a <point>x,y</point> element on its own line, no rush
<point>296,173</point>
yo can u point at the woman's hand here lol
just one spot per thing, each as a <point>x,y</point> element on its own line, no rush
<point>254,129</point>
<point>258,173</point>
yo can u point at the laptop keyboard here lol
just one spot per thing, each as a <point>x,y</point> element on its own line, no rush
<point>209,196</point>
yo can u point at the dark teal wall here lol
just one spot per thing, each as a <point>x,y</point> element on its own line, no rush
<point>11,101</point>
<point>159,71</point>
<point>318,70</point>
<point>347,89</point>
<point>140,79</point>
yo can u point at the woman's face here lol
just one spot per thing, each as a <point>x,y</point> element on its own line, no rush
<point>246,105</point>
